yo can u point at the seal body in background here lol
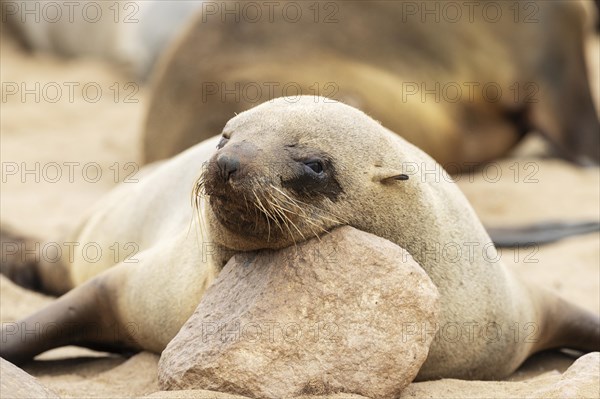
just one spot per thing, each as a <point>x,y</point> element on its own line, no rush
<point>462,82</point>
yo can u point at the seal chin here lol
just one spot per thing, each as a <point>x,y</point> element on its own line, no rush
<point>239,217</point>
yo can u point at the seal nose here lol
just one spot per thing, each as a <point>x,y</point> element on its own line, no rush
<point>228,165</point>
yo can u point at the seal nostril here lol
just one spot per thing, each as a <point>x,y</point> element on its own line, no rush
<point>228,165</point>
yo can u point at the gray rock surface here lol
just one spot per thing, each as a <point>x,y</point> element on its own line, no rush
<point>327,316</point>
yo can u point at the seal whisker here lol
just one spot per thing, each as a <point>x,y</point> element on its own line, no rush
<point>276,210</point>
<point>336,219</point>
<point>296,227</point>
<point>304,217</point>
<point>246,203</point>
<point>262,208</point>
<point>286,222</point>
<point>196,197</point>
<point>282,211</point>
<point>291,201</point>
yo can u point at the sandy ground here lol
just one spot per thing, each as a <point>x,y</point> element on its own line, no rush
<point>105,135</point>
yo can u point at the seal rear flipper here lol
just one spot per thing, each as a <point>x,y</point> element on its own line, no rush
<point>566,325</point>
<point>538,234</point>
<point>15,264</point>
<point>82,317</point>
<point>22,263</point>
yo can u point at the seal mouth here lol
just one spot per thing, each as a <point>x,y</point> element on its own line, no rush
<point>247,208</point>
<point>258,209</point>
<point>262,214</point>
<point>240,217</point>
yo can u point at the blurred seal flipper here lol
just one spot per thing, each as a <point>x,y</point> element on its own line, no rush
<point>542,233</point>
<point>21,261</point>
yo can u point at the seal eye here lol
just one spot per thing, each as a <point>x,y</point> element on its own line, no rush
<point>315,166</point>
<point>223,141</point>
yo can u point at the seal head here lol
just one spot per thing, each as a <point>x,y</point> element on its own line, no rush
<point>281,174</point>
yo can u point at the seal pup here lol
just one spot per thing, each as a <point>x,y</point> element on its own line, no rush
<point>284,171</point>
<point>463,85</point>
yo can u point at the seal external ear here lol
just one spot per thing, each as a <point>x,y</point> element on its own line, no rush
<point>390,177</point>
<point>401,176</point>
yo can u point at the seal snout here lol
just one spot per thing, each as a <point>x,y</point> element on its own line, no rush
<point>233,161</point>
<point>228,165</point>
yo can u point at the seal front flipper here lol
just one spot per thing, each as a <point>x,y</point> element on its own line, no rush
<point>128,307</point>
<point>84,316</point>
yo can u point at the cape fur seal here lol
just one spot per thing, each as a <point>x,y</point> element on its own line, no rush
<point>284,171</point>
<point>463,82</point>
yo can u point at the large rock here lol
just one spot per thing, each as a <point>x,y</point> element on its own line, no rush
<point>17,384</point>
<point>330,315</point>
